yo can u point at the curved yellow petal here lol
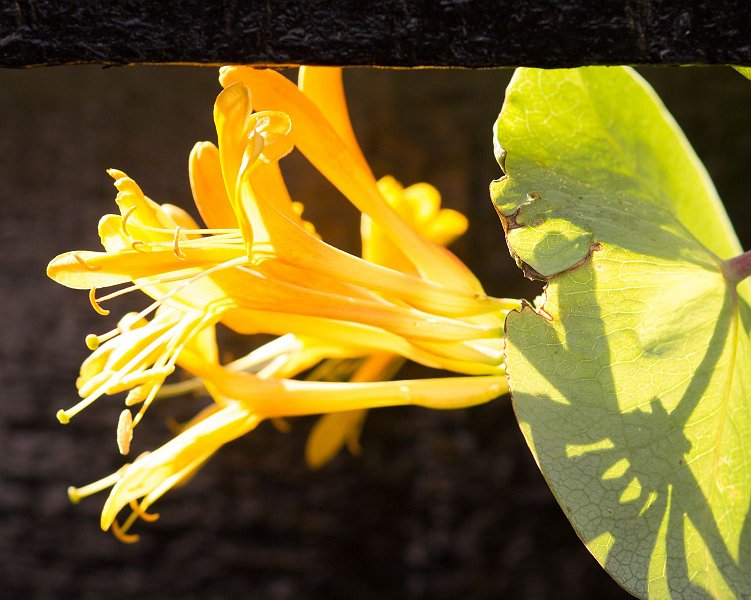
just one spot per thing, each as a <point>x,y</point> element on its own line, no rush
<point>447,226</point>
<point>232,118</point>
<point>249,288</point>
<point>178,216</point>
<point>85,269</point>
<point>420,206</point>
<point>424,200</point>
<point>324,86</point>
<point>323,147</point>
<point>207,185</point>
<point>290,397</point>
<point>266,182</point>
<point>276,234</point>
<point>131,199</point>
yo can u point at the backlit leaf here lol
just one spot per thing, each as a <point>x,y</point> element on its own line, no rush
<point>632,383</point>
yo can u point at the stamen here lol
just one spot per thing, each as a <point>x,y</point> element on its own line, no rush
<point>146,282</point>
<point>176,244</point>
<point>120,534</point>
<point>226,230</point>
<point>124,222</point>
<point>146,404</point>
<point>135,244</point>
<point>234,262</point>
<point>64,416</point>
<point>84,264</point>
<point>76,494</point>
<point>95,304</point>
<point>124,432</point>
<point>100,339</point>
<point>94,341</point>
<point>126,290</point>
<point>142,514</point>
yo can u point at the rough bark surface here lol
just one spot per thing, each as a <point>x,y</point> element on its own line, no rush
<point>439,505</point>
<point>405,33</point>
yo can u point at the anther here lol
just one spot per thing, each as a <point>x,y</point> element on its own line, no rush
<point>62,416</point>
<point>84,264</point>
<point>73,495</point>
<point>126,538</point>
<point>95,304</point>
<point>142,514</point>
<point>176,244</point>
<point>92,342</point>
<point>124,221</point>
<point>136,395</point>
<point>124,431</point>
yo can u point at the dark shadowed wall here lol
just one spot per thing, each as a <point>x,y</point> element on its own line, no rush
<point>440,505</point>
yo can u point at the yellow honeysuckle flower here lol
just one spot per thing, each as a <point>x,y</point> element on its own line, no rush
<point>259,267</point>
<point>245,400</point>
<point>419,206</point>
<point>152,474</point>
<point>280,253</point>
<point>321,144</point>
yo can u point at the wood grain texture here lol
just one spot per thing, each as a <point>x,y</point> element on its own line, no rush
<point>394,33</point>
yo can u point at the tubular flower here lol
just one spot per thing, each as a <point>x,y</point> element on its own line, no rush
<point>259,267</point>
<point>419,205</point>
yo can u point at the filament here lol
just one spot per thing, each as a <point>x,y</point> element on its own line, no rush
<point>142,514</point>
<point>176,244</point>
<point>76,494</point>
<point>124,221</point>
<point>157,303</point>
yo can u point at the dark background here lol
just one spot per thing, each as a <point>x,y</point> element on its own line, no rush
<point>439,504</point>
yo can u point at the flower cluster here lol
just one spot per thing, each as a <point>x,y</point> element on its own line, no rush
<point>345,323</point>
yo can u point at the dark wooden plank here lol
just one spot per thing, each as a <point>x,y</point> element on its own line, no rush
<point>408,33</point>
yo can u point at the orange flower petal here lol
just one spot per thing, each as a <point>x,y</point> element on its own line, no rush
<point>323,147</point>
<point>323,85</point>
<point>207,185</point>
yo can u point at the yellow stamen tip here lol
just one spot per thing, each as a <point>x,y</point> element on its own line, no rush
<point>73,495</point>
<point>63,417</point>
<point>92,341</point>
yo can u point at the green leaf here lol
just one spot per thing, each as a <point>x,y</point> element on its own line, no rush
<point>632,383</point>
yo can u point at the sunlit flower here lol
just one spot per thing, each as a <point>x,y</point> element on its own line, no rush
<point>419,205</point>
<point>259,267</point>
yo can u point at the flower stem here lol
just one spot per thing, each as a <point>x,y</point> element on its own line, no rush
<point>739,267</point>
